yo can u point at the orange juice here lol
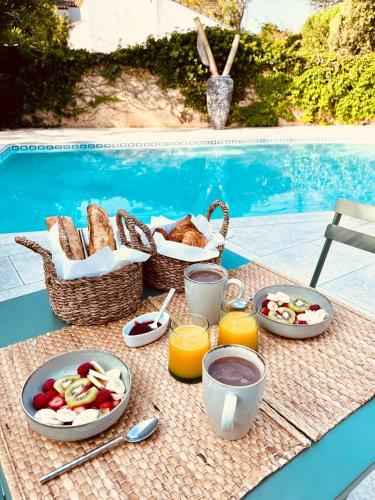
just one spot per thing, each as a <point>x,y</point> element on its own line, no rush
<point>187,346</point>
<point>239,327</point>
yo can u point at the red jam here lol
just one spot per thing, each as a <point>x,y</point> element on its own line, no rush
<point>140,328</point>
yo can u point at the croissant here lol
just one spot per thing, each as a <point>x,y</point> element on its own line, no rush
<point>181,228</point>
<point>194,238</point>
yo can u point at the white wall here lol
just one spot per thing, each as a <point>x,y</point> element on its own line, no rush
<point>106,24</point>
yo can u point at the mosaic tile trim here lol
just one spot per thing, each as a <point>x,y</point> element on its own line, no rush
<point>27,148</point>
<point>5,152</point>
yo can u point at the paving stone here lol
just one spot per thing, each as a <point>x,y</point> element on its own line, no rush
<point>29,266</point>
<point>8,275</point>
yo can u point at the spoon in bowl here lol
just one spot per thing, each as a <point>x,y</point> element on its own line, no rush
<point>154,324</point>
<point>135,434</point>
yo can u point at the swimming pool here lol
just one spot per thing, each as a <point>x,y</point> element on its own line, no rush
<point>253,179</point>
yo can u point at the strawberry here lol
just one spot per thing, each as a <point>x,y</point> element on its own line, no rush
<point>103,396</point>
<point>56,403</point>
<point>40,401</point>
<point>83,370</point>
<point>264,311</point>
<point>51,394</point>
<point>265,303</point>
<point>117,402</point>
<point>299,322</point>
<point>315,307</point>
<point>48,385</point>
<point>107,404</point>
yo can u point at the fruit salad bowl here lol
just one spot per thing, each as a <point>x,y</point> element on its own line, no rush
<point>288,330</point>
<point>57,368</point>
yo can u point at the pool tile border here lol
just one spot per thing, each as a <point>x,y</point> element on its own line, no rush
<point>84,146</point>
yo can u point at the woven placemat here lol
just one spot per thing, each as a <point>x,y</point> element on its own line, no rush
<point>184,459</point>
<point>313,383</point>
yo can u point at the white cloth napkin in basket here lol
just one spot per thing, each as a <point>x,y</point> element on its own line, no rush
<point>181,251</point>
<point>103,262</point>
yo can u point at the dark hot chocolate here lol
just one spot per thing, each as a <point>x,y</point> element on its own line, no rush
<point>206,276</point>
<point>233,370</point>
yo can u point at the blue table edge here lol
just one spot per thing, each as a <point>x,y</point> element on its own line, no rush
<point>323,471</point>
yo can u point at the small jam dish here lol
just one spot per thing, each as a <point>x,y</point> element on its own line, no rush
<point>145,338</point>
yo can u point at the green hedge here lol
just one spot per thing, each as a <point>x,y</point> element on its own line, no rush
<point>272,63</point>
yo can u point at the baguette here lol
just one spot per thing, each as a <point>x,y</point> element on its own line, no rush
<point>100,230</point>
<point>69,238</point>
<point>50,221</point>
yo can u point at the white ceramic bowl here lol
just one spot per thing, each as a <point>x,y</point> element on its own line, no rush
<point>63,365</point>
<point>145,338</point>
<point>294,331</point>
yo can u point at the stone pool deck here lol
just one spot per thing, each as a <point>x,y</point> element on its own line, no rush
<point>290,244</point>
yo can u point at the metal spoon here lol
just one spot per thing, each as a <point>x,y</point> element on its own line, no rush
<point>137,433</point>
<point>154,324</point>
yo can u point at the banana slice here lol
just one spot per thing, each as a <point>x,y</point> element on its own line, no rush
<point>272,306</point>
<point>115,385</point>
<point>86,417</point>
<point>117,397</point>
<point>65,415</point>
<point>283,298</point>
<point>100,376</point>
<point>97,367</point>
<point>114,373</point>
<point>95,381</point>
<point>273,297</point>
<point>45,413</point>
<point>49,421</point>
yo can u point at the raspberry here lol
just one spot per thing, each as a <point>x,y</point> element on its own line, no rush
<point>103,396</point>
<point>265,303</point>
<point>48,385</point>
<point>83,370</point>
<point>299,322</point>
<point>40,401</point>
<point>51,394</point>
<point>315,307</point>
<point>264,311</point>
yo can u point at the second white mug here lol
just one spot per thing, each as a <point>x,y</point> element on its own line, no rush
<point>206,296</point>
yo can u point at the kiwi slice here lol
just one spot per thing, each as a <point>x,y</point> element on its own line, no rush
<point>275,316</point>
<point>62,383</point>
<point>287,314</point>
<point>74,395</point>
<point>298,305</point>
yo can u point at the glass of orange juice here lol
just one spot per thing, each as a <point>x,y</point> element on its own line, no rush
<point>188,343</point>
<point>238,323</point>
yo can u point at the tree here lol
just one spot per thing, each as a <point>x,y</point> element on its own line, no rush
<point>316,30</point>
<point>352,31</point>
<point>324,4</point>
<point>228,12</point>
<point>32,23</point>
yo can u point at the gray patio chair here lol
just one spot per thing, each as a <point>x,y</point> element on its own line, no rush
<point>347,236</point>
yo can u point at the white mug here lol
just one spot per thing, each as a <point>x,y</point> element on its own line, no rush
<point>205,297</point>
<point>232,409</point>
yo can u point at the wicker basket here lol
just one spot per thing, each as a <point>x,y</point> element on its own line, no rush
<point>161,272</point>
<point>96,300</point>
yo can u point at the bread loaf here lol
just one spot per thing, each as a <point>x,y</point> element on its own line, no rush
<point>50,221</point>
<point>100,230</point>
<point>69,238</point>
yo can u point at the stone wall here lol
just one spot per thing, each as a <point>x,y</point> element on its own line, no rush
<point>136,100</point>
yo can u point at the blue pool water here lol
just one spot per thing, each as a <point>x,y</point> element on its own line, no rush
<point>253,180</point>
